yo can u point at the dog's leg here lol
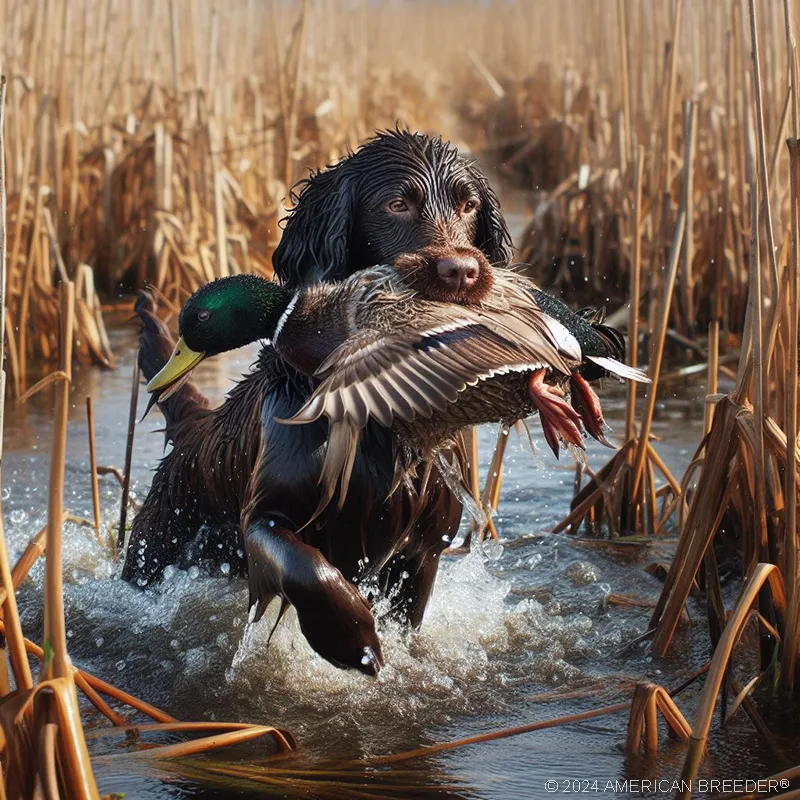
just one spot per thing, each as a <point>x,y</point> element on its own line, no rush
<point>334,617</point>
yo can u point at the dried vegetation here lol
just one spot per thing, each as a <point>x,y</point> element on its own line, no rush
<point>153,142</point>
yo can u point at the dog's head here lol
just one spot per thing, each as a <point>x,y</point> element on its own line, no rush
<point>402,198</point>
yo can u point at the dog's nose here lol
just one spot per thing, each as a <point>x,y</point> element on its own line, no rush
<point>458,272</point>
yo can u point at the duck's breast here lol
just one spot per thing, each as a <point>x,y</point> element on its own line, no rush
<point>311,331</point>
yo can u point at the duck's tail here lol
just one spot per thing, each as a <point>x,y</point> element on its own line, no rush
<point>155,347</point>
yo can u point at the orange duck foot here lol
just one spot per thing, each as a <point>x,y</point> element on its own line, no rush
<point>587,404</point>
<point>559,419</point>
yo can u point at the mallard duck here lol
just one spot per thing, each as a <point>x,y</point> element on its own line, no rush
<point>424,369</point>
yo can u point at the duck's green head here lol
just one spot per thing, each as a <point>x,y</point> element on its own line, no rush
<point>222,315</point>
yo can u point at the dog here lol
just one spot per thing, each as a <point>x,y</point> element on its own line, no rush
<point>244,482</point>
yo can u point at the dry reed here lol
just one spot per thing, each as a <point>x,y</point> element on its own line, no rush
<point>656,172</point>
<point>44,750</point>
<point>615,182</point>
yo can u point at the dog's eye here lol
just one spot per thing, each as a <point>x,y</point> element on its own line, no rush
<point>203,314</point>
<point>469,207</point>
<point>397,206</point>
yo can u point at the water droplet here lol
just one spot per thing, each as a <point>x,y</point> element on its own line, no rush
<point>492,549</point>
<point>369,656</point>
<point>120,665</point>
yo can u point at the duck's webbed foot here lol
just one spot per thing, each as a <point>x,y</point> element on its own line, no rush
<point>587,404</point>
<point>335,619</point>
<point>559,419</point>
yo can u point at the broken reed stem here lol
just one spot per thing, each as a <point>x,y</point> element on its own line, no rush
<point>98,702</point>
<point>658,353</point>
<point>720,663</point>
<point>238,735</point>
<point>128,699</point>
<point>32,553</point>
<point>428,750</point>
<point>648,700</point>
<point>93,465</point>
<point>635,291</point>
<point>126,482</point>
<point>54,626</point>
<point>99,684</point>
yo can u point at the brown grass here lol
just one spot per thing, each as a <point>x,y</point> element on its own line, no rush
<point>43,746</point>
<point>154,142</point>
<point>618,183</point>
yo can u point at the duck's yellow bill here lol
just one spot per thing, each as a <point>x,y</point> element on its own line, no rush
<point>176,371</point>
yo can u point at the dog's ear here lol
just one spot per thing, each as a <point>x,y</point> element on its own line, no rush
<point>492,234</point>
<point>315,244</point>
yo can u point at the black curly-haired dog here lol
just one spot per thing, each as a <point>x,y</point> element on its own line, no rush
<point>248,484</point>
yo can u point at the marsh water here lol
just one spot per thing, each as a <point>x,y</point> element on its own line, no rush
<point>509,628</point>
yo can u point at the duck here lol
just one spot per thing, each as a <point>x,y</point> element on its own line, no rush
<point>378,349</point>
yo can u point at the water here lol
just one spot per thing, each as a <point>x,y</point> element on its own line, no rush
<point>506,629</point>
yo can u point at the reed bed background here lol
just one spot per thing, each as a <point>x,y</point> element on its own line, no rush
<point>655,145</point>
<point>154,142</point>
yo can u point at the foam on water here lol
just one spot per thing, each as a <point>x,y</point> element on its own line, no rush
<point>186,644</point>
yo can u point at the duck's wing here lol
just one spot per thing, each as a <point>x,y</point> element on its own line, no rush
<point>420,372</point>
<point>602,347</point>
<point>619,368</point>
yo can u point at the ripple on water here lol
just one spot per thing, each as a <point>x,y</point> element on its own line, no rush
<point>186,644</point>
